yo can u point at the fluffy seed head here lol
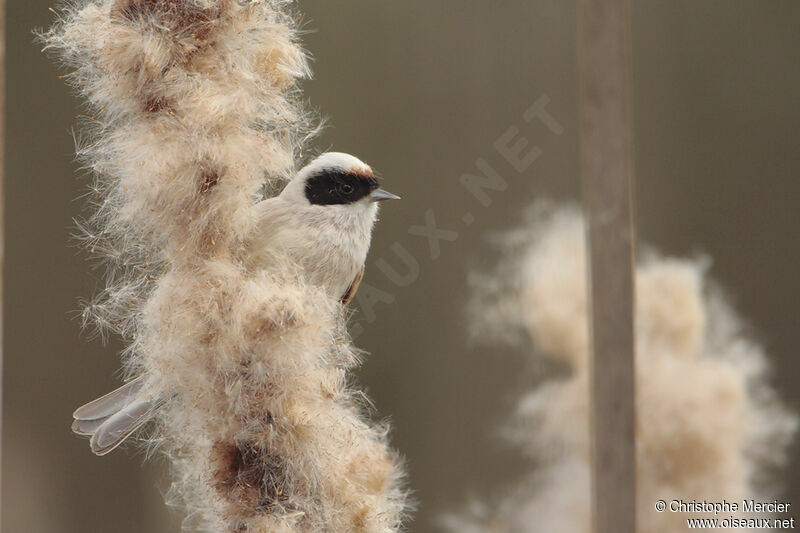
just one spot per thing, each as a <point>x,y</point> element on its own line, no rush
<point>195,111</point>
<point>709,426</point>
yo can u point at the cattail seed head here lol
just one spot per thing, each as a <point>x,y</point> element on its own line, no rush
<point>194,106</point>
<point>709,425</point>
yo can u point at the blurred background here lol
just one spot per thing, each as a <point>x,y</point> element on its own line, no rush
<point>421,90</point>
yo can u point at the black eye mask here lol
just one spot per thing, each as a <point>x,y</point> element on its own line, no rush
<point>336,187</point>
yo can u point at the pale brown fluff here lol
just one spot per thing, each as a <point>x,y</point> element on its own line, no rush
<point>194,110</point>
<point>709,426</point>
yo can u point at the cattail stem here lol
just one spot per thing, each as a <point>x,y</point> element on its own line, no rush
<point>2,197</point>
<point>607,175</point>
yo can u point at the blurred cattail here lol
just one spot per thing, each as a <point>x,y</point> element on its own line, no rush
<point>709,425</point>
<point>193,110</point>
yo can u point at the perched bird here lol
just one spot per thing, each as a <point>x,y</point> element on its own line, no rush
<point>320,225</point>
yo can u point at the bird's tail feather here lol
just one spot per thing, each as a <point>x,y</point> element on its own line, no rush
<point>112,418</point>
<point>87,428</point>
<point>111,403</point>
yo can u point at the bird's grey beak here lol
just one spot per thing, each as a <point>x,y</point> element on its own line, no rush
<point>379,195</point>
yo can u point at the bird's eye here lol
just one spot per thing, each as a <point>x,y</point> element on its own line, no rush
<point>346,188</point>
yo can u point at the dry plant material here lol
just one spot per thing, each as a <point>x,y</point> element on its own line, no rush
<point>709,425</point>
<point>193,107</point>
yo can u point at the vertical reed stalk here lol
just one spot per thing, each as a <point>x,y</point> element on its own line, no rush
<point>607,177</point>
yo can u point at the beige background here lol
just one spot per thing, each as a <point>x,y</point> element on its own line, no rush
<point>421,90</point>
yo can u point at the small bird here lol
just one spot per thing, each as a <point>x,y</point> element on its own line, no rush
<point>321,223</point>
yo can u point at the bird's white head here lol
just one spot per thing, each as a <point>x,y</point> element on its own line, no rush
<point>335,180</point>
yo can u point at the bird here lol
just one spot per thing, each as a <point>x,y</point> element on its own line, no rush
<point>321,223</point>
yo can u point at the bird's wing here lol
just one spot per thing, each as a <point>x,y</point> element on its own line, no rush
<point>111,403</point>
<point>275,229</point>
<point>351,290</point>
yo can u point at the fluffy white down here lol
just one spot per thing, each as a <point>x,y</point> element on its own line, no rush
<point>193,104</point>
<point>709,425</point>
